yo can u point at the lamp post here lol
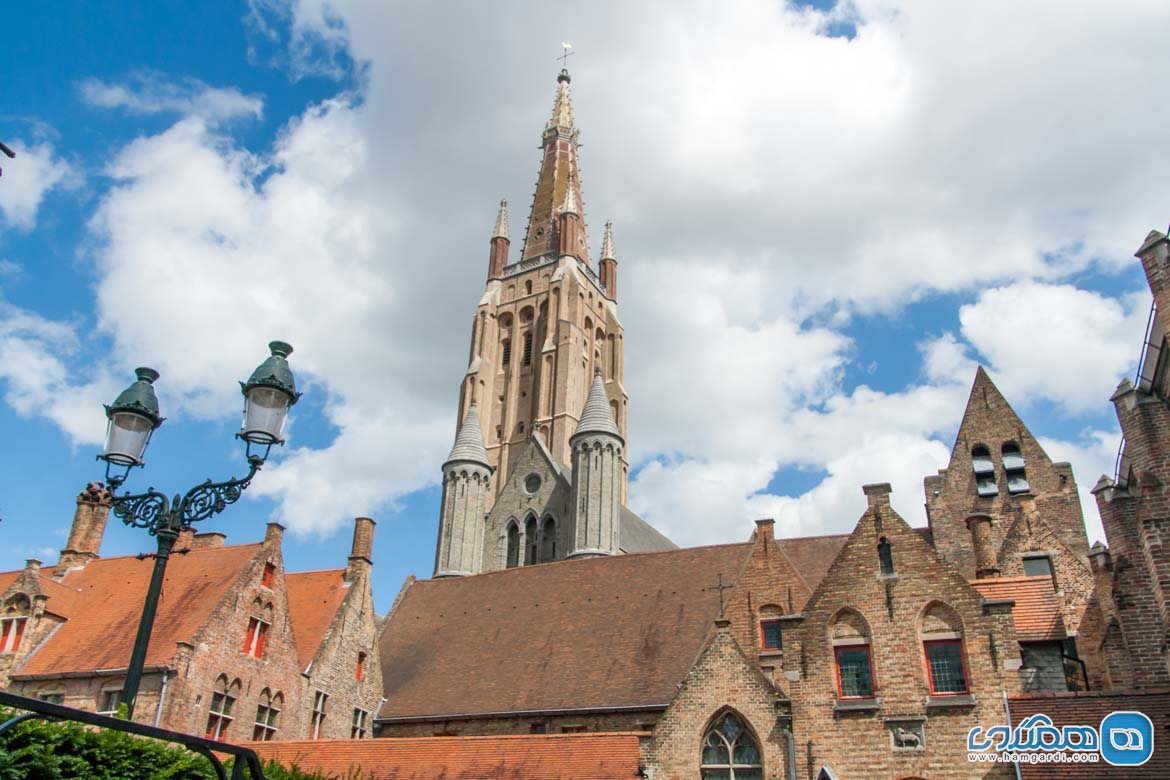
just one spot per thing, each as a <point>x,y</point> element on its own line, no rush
<point>133,417</point>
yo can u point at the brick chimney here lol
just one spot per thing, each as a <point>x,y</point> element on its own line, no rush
<point>361,556</point>
<point>273,535</point>
<point>89,524</point>
<point>765,531</point>
<point>986,562</point>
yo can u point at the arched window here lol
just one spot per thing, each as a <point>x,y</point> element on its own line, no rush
<point>548,540</point>
<point>528,348</point>
<point>219,715</point>
<point>730,752</point>
<point>528,287</point>
<point>267,711</point>
<point>1013,467</point>
<point>530,541</point>
<point>885,556</point>
<point>15,616</point>
<point>849,633</point>
<point>507,356</point>
<point>941,631</point>
<point>984,470</point>
<point>513,559</point>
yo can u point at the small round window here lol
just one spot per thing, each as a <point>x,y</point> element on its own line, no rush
<point>532,483</point>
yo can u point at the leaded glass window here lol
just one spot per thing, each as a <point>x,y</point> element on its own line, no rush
<point>853,671</point>
<point>947,670</point>
<point>730,752</point>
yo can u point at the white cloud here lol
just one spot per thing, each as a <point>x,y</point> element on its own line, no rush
<point>767,184</point>
<point>152,93</point>
<point>1057,342</point>
<point>34,171</point>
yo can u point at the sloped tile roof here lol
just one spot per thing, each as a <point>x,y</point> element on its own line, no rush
<point>604,632</point>
<point>1087,708</point>
<point>594,756</point>
<point>61,598</point>
<point>812,556</point>
<point>1037,612</point>
<point>313,599</point>
<point>107,603</point>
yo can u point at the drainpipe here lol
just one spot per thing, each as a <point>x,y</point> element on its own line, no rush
<point>162,699</point>
<point>1008,711</point>
<point>785,723</point>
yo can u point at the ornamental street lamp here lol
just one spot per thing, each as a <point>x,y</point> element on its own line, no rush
<point>268,395</point>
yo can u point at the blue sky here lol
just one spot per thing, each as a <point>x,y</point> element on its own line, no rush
<point>826,215</point>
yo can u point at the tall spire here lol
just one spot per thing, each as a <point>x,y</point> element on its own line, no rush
<point>469,444</point>
<point>596,416</point>
<point>559,173</point>
<point>501,230</point>
<point>607,242</point>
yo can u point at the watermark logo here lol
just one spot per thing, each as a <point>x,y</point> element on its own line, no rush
<point>1127,738</point>
<point>1124,738</point>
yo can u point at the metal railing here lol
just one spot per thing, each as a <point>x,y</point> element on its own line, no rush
<point>246,764</point>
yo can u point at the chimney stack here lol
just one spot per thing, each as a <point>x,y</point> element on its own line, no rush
<point>986,563</point>
<point>361,556</point>
<point>765,530</point>
<point>89,524</point>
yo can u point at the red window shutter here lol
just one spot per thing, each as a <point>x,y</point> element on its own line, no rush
<point>19,633</point>
<point>269,570</point>
<point>361,662</point>
<point>261,630</point>
<point>248,636</point>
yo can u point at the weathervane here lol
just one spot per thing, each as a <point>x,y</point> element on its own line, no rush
<point>565,54</point>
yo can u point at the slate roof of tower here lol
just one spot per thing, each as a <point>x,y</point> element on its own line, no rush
<point>597,756</point>
<point>596,417</point>
<point>469,441</point>
<point>617,631</point>
<point>639,536</point>
<point>107,603</point>
<point>313,599</point>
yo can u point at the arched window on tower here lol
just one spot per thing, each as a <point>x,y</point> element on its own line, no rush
<point>1013,467</point>
<point>528,287</point>
<point>548,540</point>
<point>730,752</point>
<point>531,541</point>
<point>528,348</point>
<point>507,352</point>
<point>984,469</point>
<point>513,559</point>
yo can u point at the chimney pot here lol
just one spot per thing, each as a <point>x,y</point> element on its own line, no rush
<point>361,555</point>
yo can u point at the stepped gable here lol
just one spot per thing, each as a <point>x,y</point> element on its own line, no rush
<point>61,599</point>
<point>618,631</point>
<point>107,604</point>
<point>313,600</point>
<point>598,756</point>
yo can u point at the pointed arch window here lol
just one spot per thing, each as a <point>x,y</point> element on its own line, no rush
<point>531,541</point>
<point>267,711</point>
<point>1013,466</point>
<point>507,358</point>
<point>730,752</point>
<point>885,556</point>
<point>941,631</point>
<point>548,540</point>
<point>528,349</point>
<point>984,469</point>
<point>850,636</point>
<point>513,559</point>
<point>219,716</point>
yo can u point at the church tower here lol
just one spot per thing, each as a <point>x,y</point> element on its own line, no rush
<point>547,321</point>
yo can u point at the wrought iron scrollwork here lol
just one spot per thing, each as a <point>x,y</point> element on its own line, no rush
<point>154,512</point>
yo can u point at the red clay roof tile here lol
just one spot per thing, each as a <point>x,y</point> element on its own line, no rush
<point>313,599</point>
<point>107,603</point>
<point>593,756</point>
<point>1037,611</point>
<point>603,632</point>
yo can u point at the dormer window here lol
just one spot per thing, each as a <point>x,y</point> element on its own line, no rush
<point>1013,466</point>
<point>984,469</point>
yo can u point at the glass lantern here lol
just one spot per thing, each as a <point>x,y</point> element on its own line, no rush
<point>268,395</point>
<point>132,419</point>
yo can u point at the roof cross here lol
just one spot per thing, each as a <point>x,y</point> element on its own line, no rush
<point>565,54</point>
<point>721,587</point>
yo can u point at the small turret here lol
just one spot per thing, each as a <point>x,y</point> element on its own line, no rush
<point>597,476</point>
<point>466,475</point>
<point>572,237</point>
<point>607,269</point>
<point>500,244</point>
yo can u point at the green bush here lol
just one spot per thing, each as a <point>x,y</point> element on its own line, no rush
<point>40,750</point>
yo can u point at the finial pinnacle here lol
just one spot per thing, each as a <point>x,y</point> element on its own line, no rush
<point>501,230</point>
<point>607,242</point>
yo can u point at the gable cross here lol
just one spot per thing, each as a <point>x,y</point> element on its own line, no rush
<point>721,587</point>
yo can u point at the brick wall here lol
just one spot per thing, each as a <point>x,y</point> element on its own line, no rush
<point>523,724</point>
